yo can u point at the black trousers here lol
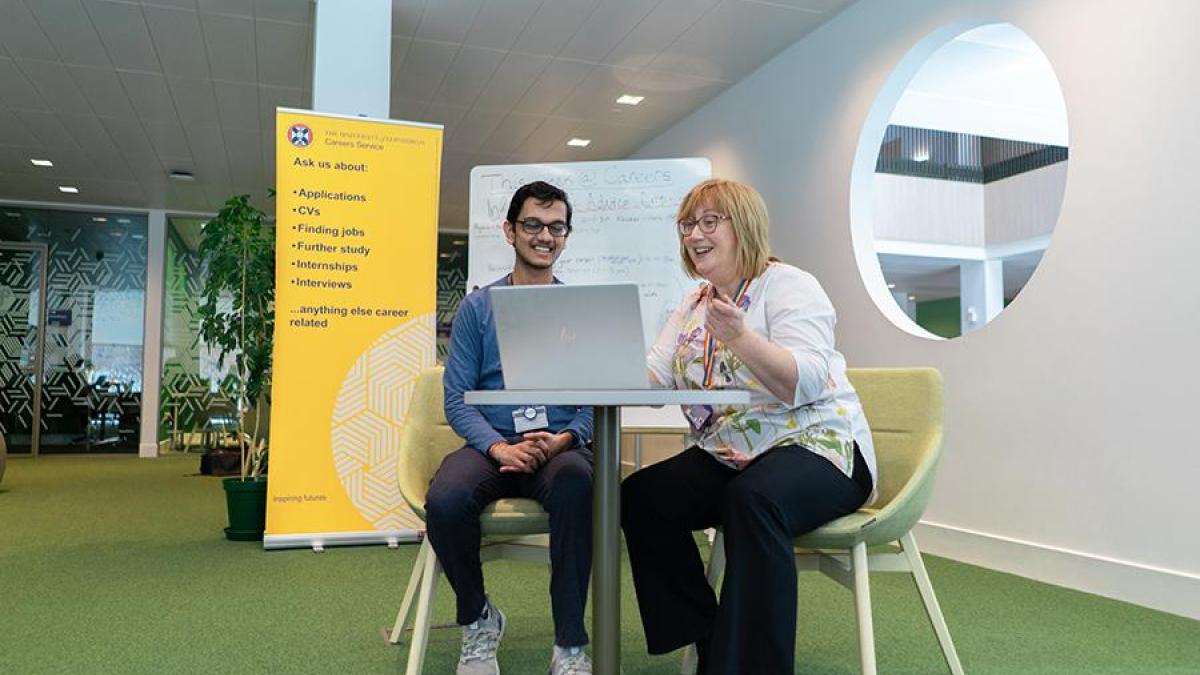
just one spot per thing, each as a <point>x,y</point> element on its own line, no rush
<point>467,482</point>
<point>782,494</point>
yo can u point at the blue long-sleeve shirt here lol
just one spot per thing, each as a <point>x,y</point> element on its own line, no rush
<point>474,363</point>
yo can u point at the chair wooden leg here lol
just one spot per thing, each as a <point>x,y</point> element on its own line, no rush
<point>420,637</point>
<point>932,608</point>
<point>862,604</point>
<point>414,582</point>
<point>716,567</point>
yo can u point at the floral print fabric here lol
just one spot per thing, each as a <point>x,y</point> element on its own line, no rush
<point>790,308</point>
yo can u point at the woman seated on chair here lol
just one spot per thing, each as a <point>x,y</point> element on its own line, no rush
<point>797,457</point>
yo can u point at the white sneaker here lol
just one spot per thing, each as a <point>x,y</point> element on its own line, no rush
<point>480,641</point>
<point>570,661</point>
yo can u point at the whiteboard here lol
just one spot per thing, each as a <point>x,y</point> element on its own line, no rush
<point>623,225</point>
<point>623,229</point>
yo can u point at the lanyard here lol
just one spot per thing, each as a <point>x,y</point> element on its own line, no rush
<point>710,343</point>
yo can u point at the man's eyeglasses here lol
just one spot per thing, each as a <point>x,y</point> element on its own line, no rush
<point>707,224</point>
<point>533,226</point>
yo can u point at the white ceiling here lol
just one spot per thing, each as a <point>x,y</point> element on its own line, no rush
<point>118,93</point>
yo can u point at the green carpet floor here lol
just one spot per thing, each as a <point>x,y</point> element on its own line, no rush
<point>118,565</point>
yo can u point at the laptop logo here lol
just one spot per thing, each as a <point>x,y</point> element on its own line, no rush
<point>567,336</point>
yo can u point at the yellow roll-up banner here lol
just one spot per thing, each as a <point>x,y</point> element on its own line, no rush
<point>355,307</point>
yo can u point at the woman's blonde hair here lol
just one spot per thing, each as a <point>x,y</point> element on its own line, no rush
<point>747,214</point>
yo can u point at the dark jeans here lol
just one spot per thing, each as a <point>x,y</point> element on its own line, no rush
<point>784,493</point>
<point>468,481</point>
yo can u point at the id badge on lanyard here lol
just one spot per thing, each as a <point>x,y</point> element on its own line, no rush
<point>530,418</point>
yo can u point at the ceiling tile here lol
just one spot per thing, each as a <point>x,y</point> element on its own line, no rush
<point>239,7</point>
<point>447,20</point>
<point>282,53</point>
<point>516,74</point>
<point>657,31</point>
<point>406,15</point>
<point>551,133</point>
<point>149,95</point>
<point>46,128</point>
<point>470,71</point>
<point>169,142</point>
<point>407,110</point>
<point>13,132</point>
<point>229,41</point>
<point>553,86</point>
<point>511,133</point>
<point>178,41</point>
<point>21,35</point>
<point>172,4</point>
<point>812,6</point>
<point>715,46</point>
<point>445,114</point>
<point>56,86</point>
<point>605,29</point>
<point>270,98</point>
<point>245,159</point>
<point>669,98</point>
<point>126,38</point>
<point>237,105</point>
<point>18,91</point>
<point>399,50</point>
<point>473,130</point>
<point>596,93</point>
<point>500,22</point>
<point>423,69</point>
<point>70,31</point>
<point>195,101</point>
<point>296,11</point>
<point>103,90</point>
<point>553,25</point>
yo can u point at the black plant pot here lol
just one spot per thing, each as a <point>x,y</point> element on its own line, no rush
<point>247,504</point>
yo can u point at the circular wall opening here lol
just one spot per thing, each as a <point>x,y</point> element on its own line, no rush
<point>958,179</point>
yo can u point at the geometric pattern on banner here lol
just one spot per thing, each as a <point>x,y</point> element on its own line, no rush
<point>367,417</point>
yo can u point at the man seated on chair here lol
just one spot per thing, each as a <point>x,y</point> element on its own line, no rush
<point>537,452</point>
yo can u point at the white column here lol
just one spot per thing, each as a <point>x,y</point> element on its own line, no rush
<point>352,57</point>
<point>981,291</point>
<point>152,331</point>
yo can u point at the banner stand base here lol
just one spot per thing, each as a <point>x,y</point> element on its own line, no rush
<point>318,541</point>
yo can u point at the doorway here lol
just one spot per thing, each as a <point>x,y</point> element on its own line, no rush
<point>22,343</point>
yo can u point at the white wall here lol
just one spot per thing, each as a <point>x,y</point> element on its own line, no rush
<point>1024,206</point>
<point>1069,452</point>
<point>931,210</point>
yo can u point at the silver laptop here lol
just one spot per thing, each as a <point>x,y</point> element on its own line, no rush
<point>570,336</point>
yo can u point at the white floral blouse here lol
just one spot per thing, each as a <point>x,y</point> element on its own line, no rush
<point>789,307</point>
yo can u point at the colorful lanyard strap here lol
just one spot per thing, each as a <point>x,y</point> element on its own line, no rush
<point>710,343</point>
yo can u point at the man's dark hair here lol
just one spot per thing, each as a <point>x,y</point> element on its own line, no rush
<point>543,193</point>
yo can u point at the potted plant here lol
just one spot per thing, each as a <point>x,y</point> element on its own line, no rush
<point>237,318</point>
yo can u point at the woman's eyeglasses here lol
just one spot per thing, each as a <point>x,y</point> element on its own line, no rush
<point>534,226</point>
<point>707,224</point>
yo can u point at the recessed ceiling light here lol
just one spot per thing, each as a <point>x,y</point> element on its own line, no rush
<point>912,297</point>
<point>41,162</point>
<point>443,255</point>
<point>921,156</point>
<point>123,221</point>
<point>11,214</point>
<point>579,142</point>
<point>891,285</point>
<point>629,99</point>
<point>99,219</point>
<point>185,176</point>
<point>459,242</point>
<point>69,189</point>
